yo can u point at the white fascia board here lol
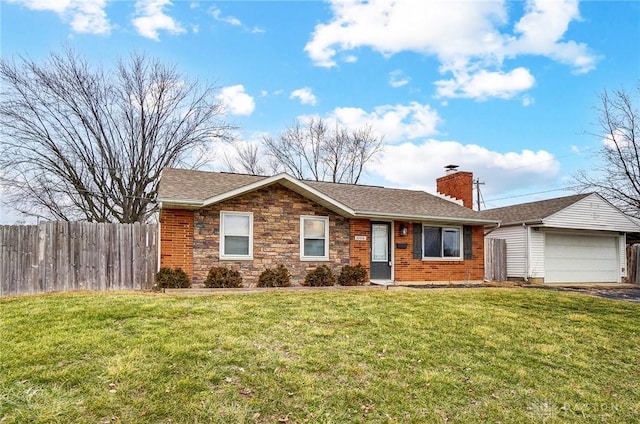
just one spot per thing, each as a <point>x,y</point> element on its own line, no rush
<point>289,182</point>
<point>168,202</point>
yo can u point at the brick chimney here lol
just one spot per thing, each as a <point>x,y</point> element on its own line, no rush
<point>457,184</point>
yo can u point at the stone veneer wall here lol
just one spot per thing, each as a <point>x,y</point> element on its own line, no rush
<point>276,235</point>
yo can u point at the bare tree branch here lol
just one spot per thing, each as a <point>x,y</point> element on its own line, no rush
<point>312,151</point>
<point>616,174</point>
<point>80,142</point>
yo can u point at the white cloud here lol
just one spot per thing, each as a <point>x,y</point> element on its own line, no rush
<point>89,16</point>
<point>236,101</point>
<point>395,122</point>
<point>575,149</point>
<point>397,78</point>
<point>305,95</point>
<point>231,20</point>
<point>527,100</point>
<point>620,138</point>
<point>470,41</point>
<point>418,165</point>
<point>151,18</point>
<point>541,30</point>
<point>84,16</point>
<point>484,84</point>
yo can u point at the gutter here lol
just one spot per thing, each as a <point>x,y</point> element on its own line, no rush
<point>382,215</point>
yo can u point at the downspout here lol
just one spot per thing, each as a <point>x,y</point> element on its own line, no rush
<point>493,229</point>
<point>526,251</point>
<point>159,241</point>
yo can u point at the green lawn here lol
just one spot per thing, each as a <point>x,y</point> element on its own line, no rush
<point>451,355</point>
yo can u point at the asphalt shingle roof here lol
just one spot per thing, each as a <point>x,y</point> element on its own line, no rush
<point>181,185</point>
<point>532,211</point>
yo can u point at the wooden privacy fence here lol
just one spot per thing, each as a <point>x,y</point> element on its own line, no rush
<point>495,259</point>
<point>67,256</point>
<point>633,263</point>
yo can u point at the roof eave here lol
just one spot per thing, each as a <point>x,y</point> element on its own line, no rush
<point>413,217</point>
<point>523,222</point>
<point>179,203</point>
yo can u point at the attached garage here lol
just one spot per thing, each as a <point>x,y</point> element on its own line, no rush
<point>571,258</point>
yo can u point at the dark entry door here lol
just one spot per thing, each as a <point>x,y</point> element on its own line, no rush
<point>380,251</point>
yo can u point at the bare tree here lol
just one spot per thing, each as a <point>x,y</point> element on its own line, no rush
<point>247,159</point>
<point>81,142</point>
<point>312,151</point>
<point>616,174</point>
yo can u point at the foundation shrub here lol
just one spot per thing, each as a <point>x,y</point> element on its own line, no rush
<point>275,277</point>
<point>172,278</point>
<point>352,275</point>
<point>319,277</point>
<point>223,278</point>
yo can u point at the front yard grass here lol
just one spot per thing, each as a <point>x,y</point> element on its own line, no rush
<point>461,355</point>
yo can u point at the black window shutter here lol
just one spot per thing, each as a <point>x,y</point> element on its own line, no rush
<point>417,240</point>
<point>467,241</point>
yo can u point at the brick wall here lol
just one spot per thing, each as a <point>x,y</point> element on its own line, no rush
<point>176,239</point>
<point>276,235</point>
<point>360,250</point>
<point>409,269</point>
<point>458,185</point>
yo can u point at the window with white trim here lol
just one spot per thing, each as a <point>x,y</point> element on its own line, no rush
<point>441,242</point>
<point>236,235</point>
<point>314,238</point>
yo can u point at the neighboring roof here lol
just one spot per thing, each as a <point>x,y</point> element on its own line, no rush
<point>195,189</point>
<point>532,212</point>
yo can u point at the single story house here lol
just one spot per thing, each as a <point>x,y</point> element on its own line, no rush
<point>573,239</point>
<point>250,223</point>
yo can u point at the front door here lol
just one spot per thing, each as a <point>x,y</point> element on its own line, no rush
<point>381,251</point>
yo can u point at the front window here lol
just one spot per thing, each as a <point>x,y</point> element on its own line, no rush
<point>314,238</point>
<point>236,235</point>
<point>441,242</point>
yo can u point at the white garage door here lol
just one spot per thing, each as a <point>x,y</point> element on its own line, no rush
<point>581,259</point>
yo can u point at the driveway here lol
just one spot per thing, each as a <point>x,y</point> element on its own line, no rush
<point>629,294</point>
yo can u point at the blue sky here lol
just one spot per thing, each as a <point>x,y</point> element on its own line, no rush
<point>504,89</point>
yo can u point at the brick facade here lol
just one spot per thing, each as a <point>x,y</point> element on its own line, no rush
<point>407,269</point>
<point>418,270</point>
<point>276,235</point>
<point>458,185</point>
<point>176,239</point>
<point>190,239</point>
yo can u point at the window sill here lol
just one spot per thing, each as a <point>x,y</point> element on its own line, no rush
<point>442,259</point>
<point>235,258</point>
<point>314,259</point>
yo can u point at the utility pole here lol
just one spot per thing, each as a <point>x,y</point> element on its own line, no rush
<point>477,183</point>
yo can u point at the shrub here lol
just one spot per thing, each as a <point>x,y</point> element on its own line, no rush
<point>352,275</point>
<point>319,277</point>
<point>278,277</point>
<point>222,277</point>
<point>172,278</point>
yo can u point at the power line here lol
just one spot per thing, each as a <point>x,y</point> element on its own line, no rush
<point>531,194</point>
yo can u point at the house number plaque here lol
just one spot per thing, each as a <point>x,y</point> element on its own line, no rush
<point>361,238</point>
